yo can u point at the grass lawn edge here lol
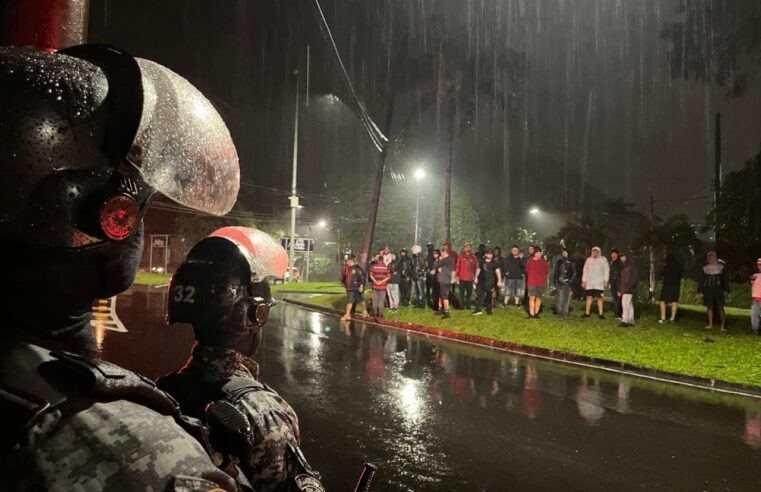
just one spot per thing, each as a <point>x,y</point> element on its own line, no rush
<point>552,354</point>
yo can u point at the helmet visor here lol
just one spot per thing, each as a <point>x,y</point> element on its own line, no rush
<point>183,148</point>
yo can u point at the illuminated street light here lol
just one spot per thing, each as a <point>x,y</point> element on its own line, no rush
<point>322,224</point>
<point>419,174</point>
<point>534,211</point>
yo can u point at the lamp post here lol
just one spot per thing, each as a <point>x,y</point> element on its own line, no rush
<point>419,175</point>
<point>294,197</point>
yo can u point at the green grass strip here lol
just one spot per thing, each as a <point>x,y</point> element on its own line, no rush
<point>144,278</point>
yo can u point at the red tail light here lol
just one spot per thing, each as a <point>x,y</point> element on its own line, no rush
<point>262,313</point>
<point>119,217</point>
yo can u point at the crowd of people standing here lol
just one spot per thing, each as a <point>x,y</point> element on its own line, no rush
<point>484,280</point>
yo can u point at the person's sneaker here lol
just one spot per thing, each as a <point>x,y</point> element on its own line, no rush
<point>661,321</point>
<point>345,318</point>
<point>529,316</point>
<point>586,315</point>
<point>601,316</point>
<point>708,328</point>
<point>672,321</point>
<point>438,313</point>
<point>536,316</point>
<point>476,313</point>
<point>445,315</point>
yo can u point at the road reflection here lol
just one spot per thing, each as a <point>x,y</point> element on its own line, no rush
<point>436,415</point>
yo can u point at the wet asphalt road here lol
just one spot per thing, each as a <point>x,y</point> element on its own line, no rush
<point>436,415</point>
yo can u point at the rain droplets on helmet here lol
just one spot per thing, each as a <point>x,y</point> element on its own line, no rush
<point>183,148</point>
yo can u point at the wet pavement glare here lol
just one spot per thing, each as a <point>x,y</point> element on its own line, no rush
<point>437,415</point>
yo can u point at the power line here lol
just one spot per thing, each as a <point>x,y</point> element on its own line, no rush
<point>376,135</point>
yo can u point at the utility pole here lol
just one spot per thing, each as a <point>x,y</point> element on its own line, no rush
<point>308,71</point>
<point>372,214</point>
<point>652,250</point>
<point>417,216</point>
<point>294,198</point>
<point>448,180</point>
<point>717,180</point>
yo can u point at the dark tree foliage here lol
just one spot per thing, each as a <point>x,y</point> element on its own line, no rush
<point>739,218</point>
<point>580,234</point>
<point>716,41</point>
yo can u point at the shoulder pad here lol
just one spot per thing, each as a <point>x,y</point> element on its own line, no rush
<point>237,387</point>
<point>109,382</point>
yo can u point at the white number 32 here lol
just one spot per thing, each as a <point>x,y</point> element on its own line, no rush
<point>183,293</point>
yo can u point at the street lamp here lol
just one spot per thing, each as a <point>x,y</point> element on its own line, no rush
<point>534,211</point>
<point>419,175</point>
<point>294,197</point>
<point>322,224</point>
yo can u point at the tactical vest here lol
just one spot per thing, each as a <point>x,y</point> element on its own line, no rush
<point>36,384</point>
<point>194,401</point>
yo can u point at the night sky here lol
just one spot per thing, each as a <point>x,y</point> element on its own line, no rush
<point>552,102</point>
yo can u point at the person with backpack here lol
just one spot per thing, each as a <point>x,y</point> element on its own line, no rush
<point>712,285</point>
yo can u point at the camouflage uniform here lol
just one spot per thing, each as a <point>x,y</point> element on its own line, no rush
<point>77,424</point>
<point>273,422</point>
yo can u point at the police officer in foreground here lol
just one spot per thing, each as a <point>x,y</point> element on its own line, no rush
<point>222,290</point>
<point>88,135</point>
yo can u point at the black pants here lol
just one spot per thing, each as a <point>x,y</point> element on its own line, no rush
<point>617,310</point>
<point>466,293</point>
<point>405,290</point>
<point>432,291</point>
<point>484,295</point>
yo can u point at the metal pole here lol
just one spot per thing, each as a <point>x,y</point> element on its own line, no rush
<point>717,180</point>
<point>294,198</point>
<point>308,70</point>
<point>417,216</point>
<point>652,250</point>
<point>150,255</point>
<point>448,180</point>
<point>45,24</point>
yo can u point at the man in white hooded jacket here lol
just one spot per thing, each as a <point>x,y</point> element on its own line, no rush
<point>594,281</point>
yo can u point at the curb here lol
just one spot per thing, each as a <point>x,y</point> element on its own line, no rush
<point>555,355</point>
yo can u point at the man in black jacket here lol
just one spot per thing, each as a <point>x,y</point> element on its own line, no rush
<point>564,276</point>
<point>419,273</point>
<point>354,282</point>
<point>431,284</point>
<point>615,281</point>
<point>515,276</point>
<point>627,288</point>
<point>405,281</point>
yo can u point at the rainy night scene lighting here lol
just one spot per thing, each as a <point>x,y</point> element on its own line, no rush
<point>619,140</point>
